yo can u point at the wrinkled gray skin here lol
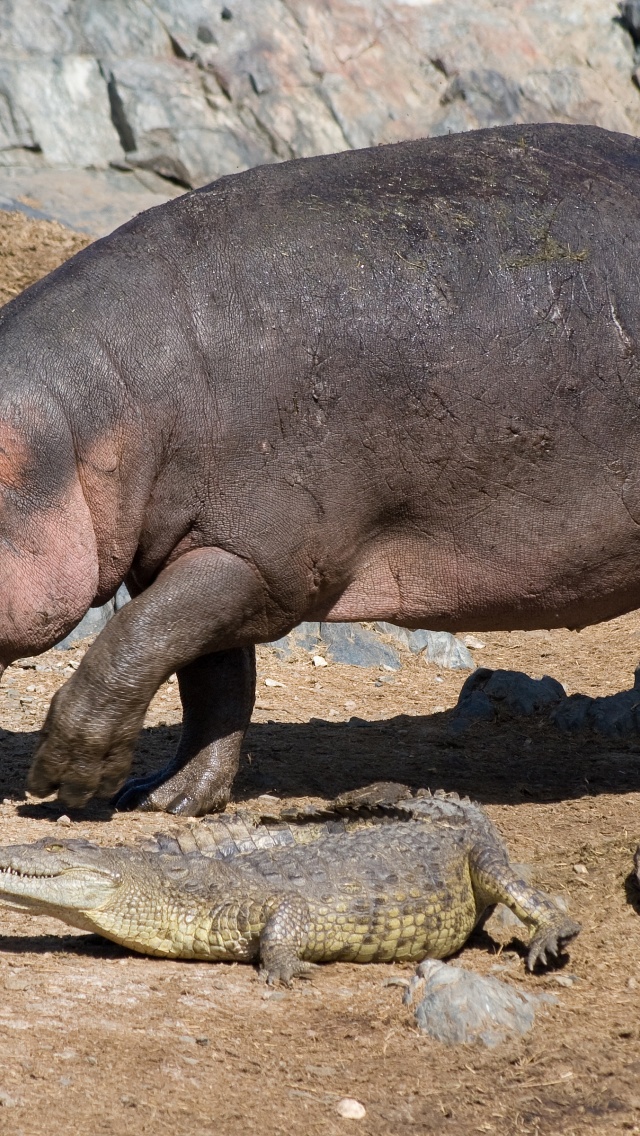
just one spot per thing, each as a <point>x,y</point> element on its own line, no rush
<point>396,384</point>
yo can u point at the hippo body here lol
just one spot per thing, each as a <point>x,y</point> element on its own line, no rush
<point>395,384</point>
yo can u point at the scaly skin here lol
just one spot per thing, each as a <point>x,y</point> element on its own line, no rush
<point>407,880</point>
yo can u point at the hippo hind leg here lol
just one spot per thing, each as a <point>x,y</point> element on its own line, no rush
<point>217,693</point>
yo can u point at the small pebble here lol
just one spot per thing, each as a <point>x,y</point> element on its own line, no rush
<point>580,870</point>
<point>350,1109</point>
<point>632,983</point>
<point>438,678</point>
<point>273,682</point>
<point>350,704</point>
<point>475,644</point>
<point>318,661</point>
<point>566,980</point>
<point>65,821</point>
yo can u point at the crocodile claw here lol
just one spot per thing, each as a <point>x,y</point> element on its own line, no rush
<point>282,974</point>
<point>551,940</point>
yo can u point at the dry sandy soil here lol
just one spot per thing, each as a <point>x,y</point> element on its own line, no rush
<point>94,1039</point>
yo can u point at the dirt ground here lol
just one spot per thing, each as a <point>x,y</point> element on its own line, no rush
<point>30,248</point>
<point>94,1039</point>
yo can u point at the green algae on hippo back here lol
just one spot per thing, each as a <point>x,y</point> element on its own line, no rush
<point>363,386</point>
<point>374,882</point>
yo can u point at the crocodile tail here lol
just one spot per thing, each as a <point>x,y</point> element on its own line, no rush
<point>396,802</point>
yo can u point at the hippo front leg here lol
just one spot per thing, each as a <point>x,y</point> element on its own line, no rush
<point>217,693</point>
<point>208,603</point>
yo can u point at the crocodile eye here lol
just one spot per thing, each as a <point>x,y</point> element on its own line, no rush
<point>176,871</point>
<point>54,848</point>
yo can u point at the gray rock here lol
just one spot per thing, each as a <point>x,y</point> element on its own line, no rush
<point>363,646</point>
<point>475,707</point>
<point>445,650</point>
<point>630,18</point>
<point>353,644</point>
<point>616,716</point>
<point>487,694</point>
<point>167,109</point>
<point>462,1008</point>
<point>89,201</point>
<point>61,106</point>
<point>305,637</point>
<point>196,89</point>
<point>613,716</point>
<point>439,647</point>
<point>91,625</point>
<point>95,619</point>
<point>507,692</point>
<point>340,642</point>
<point>480,98</point>
<point>120,28</point>
<point>401,635</point>
<point>121,597</point>
<point>572,714</point>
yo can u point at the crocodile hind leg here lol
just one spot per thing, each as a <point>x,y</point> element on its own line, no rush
<point>495,881</point>
<point>282,942</point>
<point>217,693</point>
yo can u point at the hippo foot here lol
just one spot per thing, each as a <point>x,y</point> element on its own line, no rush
<point>174,792</point>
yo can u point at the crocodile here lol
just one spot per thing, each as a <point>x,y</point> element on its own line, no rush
<point>379,876</point>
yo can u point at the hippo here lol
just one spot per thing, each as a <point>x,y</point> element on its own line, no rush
<point>398,384</point>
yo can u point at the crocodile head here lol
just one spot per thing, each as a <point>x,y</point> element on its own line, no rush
<point>68,874</point>
<point>153,902</point>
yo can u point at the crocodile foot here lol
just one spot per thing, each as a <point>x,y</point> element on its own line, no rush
<point>551,939</point>
<point>282,972</point>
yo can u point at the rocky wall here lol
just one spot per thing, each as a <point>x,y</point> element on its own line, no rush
<point>193,89</point>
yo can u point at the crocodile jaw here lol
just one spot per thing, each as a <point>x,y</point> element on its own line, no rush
<point>78,889</point>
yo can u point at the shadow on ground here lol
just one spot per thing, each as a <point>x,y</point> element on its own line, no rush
<point>87,945</point>
<point>495,763</point>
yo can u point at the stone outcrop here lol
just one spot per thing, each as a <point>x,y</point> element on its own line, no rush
<point>192,89</point>
<point>496,694</point>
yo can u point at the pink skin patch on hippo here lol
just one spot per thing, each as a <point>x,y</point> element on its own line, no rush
<point>48,558</point>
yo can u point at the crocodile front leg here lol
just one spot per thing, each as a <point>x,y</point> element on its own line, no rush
<point>282,941</point>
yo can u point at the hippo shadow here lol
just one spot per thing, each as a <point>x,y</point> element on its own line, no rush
<point>499,762</point>
<point>632,891</point>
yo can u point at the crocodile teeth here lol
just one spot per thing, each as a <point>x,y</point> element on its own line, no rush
<point>26,875</point>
